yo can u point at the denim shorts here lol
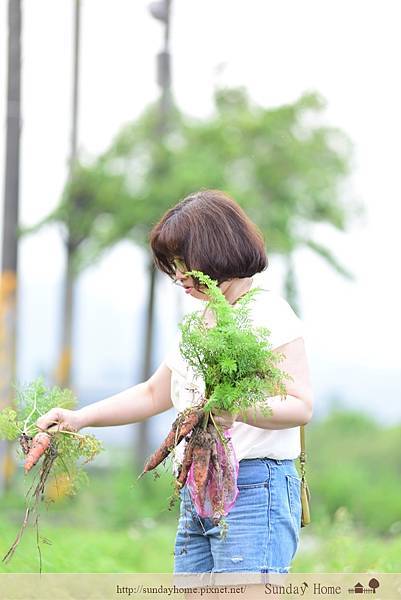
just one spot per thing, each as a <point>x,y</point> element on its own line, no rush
<point>263,525</point>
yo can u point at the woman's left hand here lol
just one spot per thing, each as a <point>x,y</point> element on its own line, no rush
<point>224,419</point>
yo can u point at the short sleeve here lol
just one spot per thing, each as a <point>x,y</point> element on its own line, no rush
<point>272,311</point>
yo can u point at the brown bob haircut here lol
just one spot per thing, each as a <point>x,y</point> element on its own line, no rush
<point>211,233</point>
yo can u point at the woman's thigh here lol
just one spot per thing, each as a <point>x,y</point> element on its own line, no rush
<point>262,527</point>
<point>192,552</point>
<point>264,524</point>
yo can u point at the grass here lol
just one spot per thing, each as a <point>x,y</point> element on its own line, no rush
<point>149,548</point>
<point>355,463</point>
<point>116,524</point>
<point>120,525</point>
<point>339,546</point>
<point>75,550</point>
<point>121,532</point>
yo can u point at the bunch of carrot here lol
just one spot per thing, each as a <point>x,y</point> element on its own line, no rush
<point>239,369</point>
<point>182,426</point>
<point>200,454</point>
<point>58,452</point>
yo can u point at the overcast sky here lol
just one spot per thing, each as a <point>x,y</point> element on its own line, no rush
<point>348,51</point>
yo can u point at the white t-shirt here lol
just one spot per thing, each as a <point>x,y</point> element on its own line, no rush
<point>270,310</point>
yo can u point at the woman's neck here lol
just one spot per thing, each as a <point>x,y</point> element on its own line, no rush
<point>234,289</point>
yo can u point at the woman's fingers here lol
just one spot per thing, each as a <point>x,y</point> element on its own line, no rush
<point>224,419</point>
<point>58,419</point>
<point>50,421</point>
<point>51,429</point>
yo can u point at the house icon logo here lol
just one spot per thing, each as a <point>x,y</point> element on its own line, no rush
<point>359,589</point>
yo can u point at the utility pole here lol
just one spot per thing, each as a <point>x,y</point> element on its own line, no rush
<point>9,266</point>
<point>63,370</point>
<point>160,10</point>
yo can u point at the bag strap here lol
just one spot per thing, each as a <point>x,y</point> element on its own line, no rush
<point>305,493</point>
<point>302,456</point>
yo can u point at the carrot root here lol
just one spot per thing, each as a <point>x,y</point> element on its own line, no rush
<point>201,459</point>
<point>181,427</point>
<point>40,443</point>
<point>186,464</point>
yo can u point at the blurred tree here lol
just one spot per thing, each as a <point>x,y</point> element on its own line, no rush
<point>74,213</point>
<point>86,198</point>
<point>281,165</point>
<point>87,202</point>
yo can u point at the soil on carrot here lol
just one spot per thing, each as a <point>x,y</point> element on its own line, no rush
<point>34,448</point>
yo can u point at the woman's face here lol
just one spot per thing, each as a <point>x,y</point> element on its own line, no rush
<point>186,282</point>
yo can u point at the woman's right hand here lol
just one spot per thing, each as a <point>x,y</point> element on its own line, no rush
<point>60,418</point>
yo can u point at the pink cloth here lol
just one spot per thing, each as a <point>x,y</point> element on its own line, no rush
<point>219,498</point>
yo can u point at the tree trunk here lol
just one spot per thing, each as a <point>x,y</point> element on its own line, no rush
<point>63,369</point>
<point>64,365</point>
<point>8,281</point>
<point>142,444</point>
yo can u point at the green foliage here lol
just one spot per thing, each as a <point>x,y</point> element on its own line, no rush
<point>73,450</point>
<point>354,464</point>
<point>85,209</point>
<point>9,429</point>
<point>35,399</point>
<point>234,358</point>
<point>339,545</point>
<point>147,548</point>
<point>282,165</point>
<point>118,525</point>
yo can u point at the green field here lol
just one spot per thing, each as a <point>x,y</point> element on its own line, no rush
<point>119,525</point>
<point>149,549</point>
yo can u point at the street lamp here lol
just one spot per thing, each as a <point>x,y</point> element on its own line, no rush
<point>160,10</point>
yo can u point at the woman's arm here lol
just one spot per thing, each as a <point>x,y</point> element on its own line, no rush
<point>130,406</point>
<point>296,409</point>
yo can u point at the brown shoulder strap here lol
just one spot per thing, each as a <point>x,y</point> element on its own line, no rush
<point>302,456</point>
<point>305,493</point>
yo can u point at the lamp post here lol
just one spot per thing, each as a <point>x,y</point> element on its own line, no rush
<point>160,10</point>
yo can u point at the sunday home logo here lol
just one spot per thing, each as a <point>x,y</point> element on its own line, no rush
<point>359,589</point>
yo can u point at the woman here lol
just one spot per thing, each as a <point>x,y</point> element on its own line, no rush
<point>208,231</point>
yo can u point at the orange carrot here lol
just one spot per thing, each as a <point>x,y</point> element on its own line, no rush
<point>201,460</point>
<point>216,490</point>
<point>162,452</point>
<point>185,465</point>
<point>184,424</point>
<point>39,445</point>
<point>188,423</point>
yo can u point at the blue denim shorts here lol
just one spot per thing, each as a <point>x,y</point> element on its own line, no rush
<point>263,525</point>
